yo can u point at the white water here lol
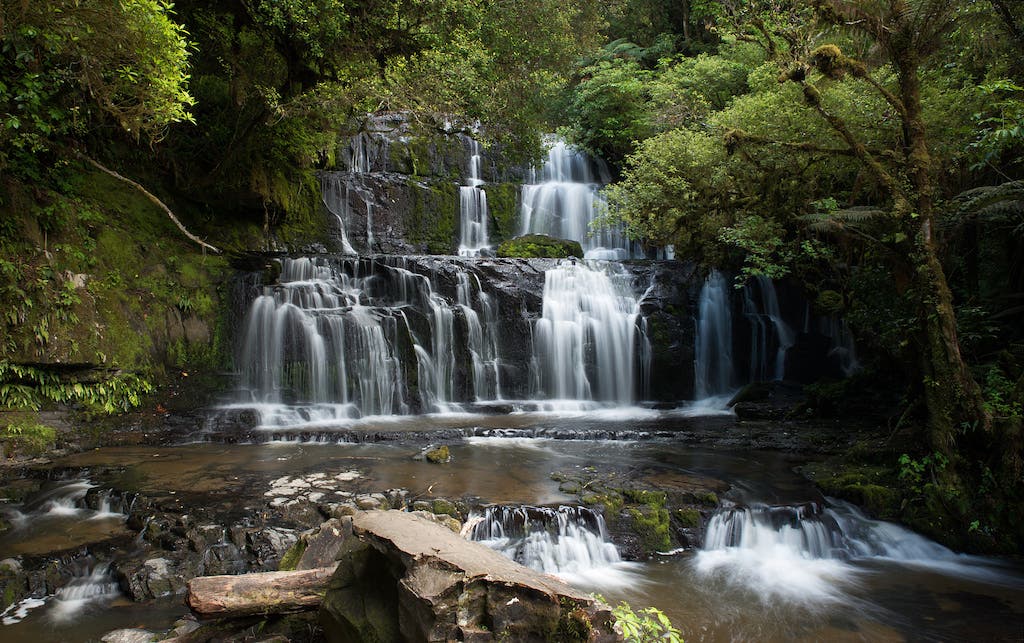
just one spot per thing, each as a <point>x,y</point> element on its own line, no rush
<point>473,209</point>
<point>586,343</point>
<point>482,336</point>
<point>564,201</point>
<point>713,370</point>
<point>813,555</point>
<point>771,337</point>
<point>335,341</point>
<point>569,542</point>
<point>93,587</point>
<point>842,348</point>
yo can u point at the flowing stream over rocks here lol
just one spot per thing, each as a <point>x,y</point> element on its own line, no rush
<point>580,404</point>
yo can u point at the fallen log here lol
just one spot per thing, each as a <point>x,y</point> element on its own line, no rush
<point>256,594</point>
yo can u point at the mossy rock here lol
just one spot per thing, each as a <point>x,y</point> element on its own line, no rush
<point>440,455</point>
<point>688,517</point>
<point>291,558</point>
<point>533,246</point>
<point>446,507</point>
<point>651,525</point>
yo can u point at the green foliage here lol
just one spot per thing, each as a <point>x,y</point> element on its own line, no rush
<point>28,438</point>
<point>1001,399</point>
<point>26,387</point>
<point>609,108</point>
<point>1000,125</point>
<point>63,62</point>
<point>646,625</point>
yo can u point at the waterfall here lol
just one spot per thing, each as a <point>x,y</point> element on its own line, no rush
<point>713,370</point>
<point>334,194</point>
<point>482,337</point>
<point>771,337</point>
<point>337,340</point>
<point>569,541</point>
<point>564,202</point>
<point>842,348</point>
<point>473,209</point>
<point>585,344</point>
<point>366,153</point>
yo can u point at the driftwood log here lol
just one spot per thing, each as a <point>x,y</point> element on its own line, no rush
<point>262,593</point>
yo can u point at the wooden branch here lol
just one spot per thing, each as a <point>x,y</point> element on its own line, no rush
<point>149,195</point>
<point>806,146</point>
<point>890,97</point>
<point>858,149</point>
<point>262,593</point>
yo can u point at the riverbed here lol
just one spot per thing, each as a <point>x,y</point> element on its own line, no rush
<point>767,591</point>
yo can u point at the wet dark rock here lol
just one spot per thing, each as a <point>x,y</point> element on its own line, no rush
<point>767,400</point>
<point>269,545</point>
<point>155,577</point>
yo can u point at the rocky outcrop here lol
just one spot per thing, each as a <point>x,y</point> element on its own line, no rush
<point>540,245</point>
<point>406,578</point>
<point>395,190</point>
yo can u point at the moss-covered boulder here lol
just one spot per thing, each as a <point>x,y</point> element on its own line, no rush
<point>532,246</point>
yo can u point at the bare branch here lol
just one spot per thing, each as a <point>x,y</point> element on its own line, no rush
<point>149,195</point>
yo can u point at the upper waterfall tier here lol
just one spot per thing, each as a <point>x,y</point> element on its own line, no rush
<point>563,200</point>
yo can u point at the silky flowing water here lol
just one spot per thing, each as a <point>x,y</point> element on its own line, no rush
<point>752,585</point>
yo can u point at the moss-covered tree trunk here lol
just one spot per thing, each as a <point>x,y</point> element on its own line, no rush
<point>951,395</point>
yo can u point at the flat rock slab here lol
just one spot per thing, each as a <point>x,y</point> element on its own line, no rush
<point>416,538</point>
<point>405,578</point>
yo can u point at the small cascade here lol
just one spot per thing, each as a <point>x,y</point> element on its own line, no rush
<point>807,553</point>
<point>771,337</point>
<point>713,367</point>
<point>365,154</point>
<point>473,208</point>
<point>88,587</point>
<point>586,343</point>
<point>563,201</point>
<point>77,498</point>
<point>807,529</point>
<point>91,585</point>
<point>841,344</point>
<point>567,541</point>
<point>482,336</point>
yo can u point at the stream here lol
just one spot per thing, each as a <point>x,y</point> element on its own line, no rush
<point>764,573</point>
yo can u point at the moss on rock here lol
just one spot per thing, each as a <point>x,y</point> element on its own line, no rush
<point>532,246</point>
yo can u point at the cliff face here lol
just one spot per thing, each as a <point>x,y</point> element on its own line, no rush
<point>396,191</point>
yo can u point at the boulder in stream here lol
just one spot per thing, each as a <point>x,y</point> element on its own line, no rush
<point>406,578</point>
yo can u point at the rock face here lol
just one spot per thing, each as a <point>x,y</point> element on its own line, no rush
<point>397,190</point>
<point>407,579</point>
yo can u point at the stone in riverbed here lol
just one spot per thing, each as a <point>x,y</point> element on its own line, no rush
<point>406,578</point>
<point>128,635</point>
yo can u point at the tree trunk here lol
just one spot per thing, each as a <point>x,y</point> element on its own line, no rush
<point>263,593</point>
<point>952,397</point>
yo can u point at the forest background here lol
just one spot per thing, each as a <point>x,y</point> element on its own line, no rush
<point>869,151</point>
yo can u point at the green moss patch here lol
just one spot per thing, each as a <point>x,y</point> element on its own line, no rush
<point>532,246</point>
